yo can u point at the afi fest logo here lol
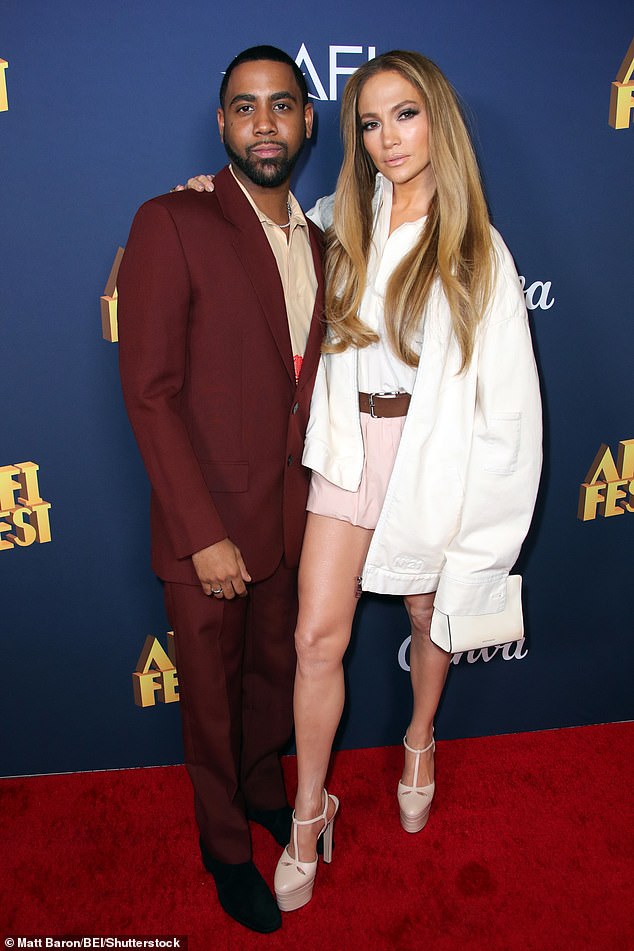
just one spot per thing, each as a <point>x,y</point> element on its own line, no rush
<point>155,676</point>
<point>335,68</point>
<point>622,93</point>
<point>23,513</point>
<point>609,486</point>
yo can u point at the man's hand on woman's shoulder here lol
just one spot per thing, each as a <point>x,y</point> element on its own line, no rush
<point>199,183</point>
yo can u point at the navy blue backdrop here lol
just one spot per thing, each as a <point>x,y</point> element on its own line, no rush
<point>109,104</point>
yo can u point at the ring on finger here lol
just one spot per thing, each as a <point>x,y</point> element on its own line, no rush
<point>216,590</point>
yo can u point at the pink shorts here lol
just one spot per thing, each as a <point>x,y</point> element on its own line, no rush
<point>381,439</point>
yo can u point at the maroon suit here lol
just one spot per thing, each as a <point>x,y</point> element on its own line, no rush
<point>209,384</point>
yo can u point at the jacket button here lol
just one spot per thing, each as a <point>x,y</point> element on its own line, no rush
<point>295,408</point>
<point>289,461</point>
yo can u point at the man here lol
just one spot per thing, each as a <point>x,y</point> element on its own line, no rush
<point>219,301</point>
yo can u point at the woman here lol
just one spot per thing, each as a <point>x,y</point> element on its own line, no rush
<point>425,434</point>
<point>432,499</point>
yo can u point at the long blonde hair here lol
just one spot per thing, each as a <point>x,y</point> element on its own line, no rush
<point>455,244</point>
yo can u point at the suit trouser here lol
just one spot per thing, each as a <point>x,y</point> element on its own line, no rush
<point>236,666</point>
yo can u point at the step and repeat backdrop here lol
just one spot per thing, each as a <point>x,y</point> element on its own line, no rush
<point>103,105</point>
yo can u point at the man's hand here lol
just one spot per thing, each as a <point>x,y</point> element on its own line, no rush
<point>199,183</point>
<point>221,570</point>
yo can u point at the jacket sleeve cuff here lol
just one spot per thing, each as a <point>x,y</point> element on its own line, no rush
<point>456,596</point>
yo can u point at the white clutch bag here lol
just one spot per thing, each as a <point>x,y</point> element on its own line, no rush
<point>456,634</point>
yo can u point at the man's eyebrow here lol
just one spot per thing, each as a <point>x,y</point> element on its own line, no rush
<point>284,94</point>
<point>274,97</point>
<point>243,97</point>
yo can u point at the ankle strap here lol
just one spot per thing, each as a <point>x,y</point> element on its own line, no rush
<point>309,822</point>
<point>410,749</point>
<point>417,753</point>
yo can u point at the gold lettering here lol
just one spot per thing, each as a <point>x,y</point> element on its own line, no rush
<point>621,105</point>
<point>8,486</point>
<point>29,482</point>
<point>5,545</point>
<point>42,522</point>
<point>109,325</point>
<point>622,93</point>
<point>154,656</point>
<point>625,459</point>
<point>25,533</point>
<point>613,493</point>
<point>146,687</point>
<point>591,501</point>
<point>169,693</point>
<point>602,468</point>
<point>155,677</point>
<point>30,517</point>
<point>630,505</point>
<point>4,99</point>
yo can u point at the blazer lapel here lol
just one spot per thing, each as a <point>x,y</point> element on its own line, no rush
<point>316,332</point>
<point>258,261</point>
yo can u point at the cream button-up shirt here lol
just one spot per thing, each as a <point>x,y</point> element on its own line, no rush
<point>294,259</point>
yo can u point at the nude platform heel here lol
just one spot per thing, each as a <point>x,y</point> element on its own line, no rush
<point>294,880</point>
<point>415,801</point>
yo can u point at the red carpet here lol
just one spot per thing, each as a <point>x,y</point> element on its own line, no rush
<point>529,846</point>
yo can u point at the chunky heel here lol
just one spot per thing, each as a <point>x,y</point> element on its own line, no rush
<point>294,880</point>
<point>327,834</point>
<point>415,801</point>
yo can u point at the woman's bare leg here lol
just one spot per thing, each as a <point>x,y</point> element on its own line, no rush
<point>332,559</point>
<point>428,667</point>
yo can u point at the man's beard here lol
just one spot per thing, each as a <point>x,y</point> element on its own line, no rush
<point>266,172</point>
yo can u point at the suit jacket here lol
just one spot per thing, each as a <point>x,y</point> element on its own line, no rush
<point>209,383</point>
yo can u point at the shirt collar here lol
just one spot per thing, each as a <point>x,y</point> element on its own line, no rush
<point>297,215</point>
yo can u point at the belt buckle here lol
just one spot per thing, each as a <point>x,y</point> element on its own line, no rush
<point>371,396</point>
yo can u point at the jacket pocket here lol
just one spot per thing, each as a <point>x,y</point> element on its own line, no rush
<point>503,442</point>
<point>226,476</point>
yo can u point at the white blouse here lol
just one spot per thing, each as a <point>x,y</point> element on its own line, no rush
<point>379,369</point>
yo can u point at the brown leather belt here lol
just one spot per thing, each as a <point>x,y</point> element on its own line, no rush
<point>384,405</point>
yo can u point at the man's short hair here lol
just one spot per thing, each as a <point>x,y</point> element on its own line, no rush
<point>272,53</point>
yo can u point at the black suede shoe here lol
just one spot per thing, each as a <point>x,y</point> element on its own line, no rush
<point>243,894</point>
<point>278,823</point>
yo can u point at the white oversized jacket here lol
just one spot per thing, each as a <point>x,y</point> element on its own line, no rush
<point>463,487</point>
